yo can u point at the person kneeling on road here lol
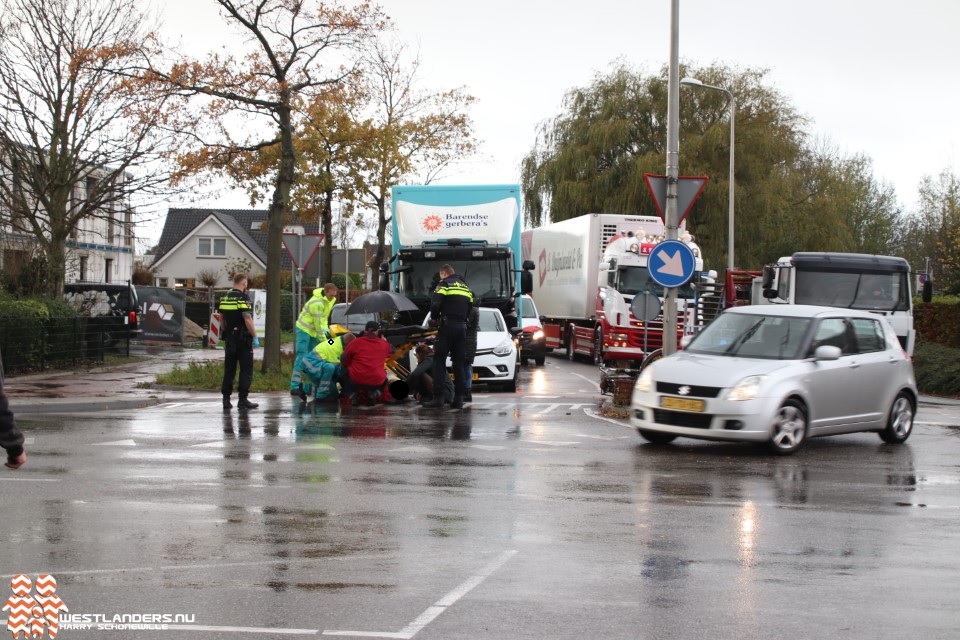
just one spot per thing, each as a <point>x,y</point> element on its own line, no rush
<point>322,370</point>
<point>365,360</point>
<point>420,380</point>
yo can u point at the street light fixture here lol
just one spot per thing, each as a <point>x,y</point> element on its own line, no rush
<point>693,82</point>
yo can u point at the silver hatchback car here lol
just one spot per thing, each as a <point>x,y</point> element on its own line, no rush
<point>780,375</point>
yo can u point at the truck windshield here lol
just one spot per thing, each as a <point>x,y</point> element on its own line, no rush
<point>871,291</point>
<point>488,279</point>
<point>634,280</point>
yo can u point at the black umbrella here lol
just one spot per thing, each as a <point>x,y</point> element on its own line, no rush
<point>377,301</point>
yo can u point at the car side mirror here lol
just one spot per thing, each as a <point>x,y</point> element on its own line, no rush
<point>526,282</point>
<point>516,331</point>
<point>826,352</point>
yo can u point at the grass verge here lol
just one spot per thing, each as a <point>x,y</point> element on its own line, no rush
<point>208,375</point>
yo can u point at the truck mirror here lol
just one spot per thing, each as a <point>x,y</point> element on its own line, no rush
<point>384,267</point>
<point>526,282</point>
<point>770,294</point>
<point>927,293</point>
<point>528,265</point>
<point>383,282</point>
<point>768,274</point>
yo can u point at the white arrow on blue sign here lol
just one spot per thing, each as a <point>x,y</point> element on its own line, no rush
<point>671,264</point>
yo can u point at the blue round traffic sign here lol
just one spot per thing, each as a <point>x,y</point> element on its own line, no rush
<point>671,264</point>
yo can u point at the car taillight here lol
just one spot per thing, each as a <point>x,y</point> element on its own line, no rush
<point>133,319</point>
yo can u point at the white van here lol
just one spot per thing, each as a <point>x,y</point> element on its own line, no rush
<point>532,342</point>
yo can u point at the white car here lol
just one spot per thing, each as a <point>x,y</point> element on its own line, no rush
<point>780,374</point>
<point>496,361</point>
<point>532,340</point>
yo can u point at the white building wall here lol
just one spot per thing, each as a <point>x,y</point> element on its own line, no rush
<point>184,261</point>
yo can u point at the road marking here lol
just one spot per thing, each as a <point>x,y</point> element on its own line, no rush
<point>116,443</point>
<point>202,627</point>
<point>437,607</point>
<point>592,383</point>
<point>593,414</point>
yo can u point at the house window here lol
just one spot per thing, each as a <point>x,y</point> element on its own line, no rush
<point>107,270</point>
<point>162,282</point>
<point>212,247</point>
<point>83,268</point>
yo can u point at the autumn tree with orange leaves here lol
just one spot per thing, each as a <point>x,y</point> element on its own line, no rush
<point>78,139</point>
<point>294,50</point>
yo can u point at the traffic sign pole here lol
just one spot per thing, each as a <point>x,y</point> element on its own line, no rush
<point>671,219</point>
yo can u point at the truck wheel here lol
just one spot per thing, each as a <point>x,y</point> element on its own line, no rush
<point>598,348</point>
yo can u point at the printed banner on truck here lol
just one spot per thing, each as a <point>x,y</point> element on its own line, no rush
<point>493,221</point>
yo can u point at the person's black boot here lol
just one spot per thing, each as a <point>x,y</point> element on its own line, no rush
<point>468,397</point>
<point>457,402</point>
<point>246,404</point>
<point>226,403</point>
<point>435,403</point>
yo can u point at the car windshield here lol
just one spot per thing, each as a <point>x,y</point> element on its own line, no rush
<point>338,316</point>
<point>490,320</point>
<point>529,311</point>
<point>752,336</point>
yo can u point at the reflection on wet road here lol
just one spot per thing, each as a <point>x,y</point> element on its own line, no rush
<point>516,517</point>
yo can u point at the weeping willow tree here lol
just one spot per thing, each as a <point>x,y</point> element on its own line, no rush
<point>791,193</point>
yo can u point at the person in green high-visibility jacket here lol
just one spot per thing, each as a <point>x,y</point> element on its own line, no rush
<point>322,370</point>
<point>312,327</point>
<point>238,334</point>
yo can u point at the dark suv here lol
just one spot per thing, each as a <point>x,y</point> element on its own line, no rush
<point>112,309</point>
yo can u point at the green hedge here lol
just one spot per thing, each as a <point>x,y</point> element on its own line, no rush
<point>937,369</point>
<point>23,332</point>
<point>938,321</point>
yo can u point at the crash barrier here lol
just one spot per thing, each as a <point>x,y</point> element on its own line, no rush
<point>58,341</point>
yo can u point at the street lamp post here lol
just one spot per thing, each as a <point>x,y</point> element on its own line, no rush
<point>693,82</point>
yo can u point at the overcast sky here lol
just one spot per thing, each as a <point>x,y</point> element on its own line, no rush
<point>876,77</point>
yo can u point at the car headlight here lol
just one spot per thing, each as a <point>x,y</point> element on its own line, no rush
<point>644,381</point>
<point>505,348</point>
<point>538,335</point>
<point>746,389</point>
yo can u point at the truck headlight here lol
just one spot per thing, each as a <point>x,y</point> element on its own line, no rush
<point>746,389</point>
<point>537,335</point>
<point>505,348</point>
<point>644,382</point>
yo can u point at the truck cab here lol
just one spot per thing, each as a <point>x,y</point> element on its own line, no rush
<point>879,284</point>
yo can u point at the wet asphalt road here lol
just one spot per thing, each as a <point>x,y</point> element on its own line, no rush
<point>525,515</point>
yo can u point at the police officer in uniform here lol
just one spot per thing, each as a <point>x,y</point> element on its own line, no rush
<point>238,334</point>
<point>449,309</point>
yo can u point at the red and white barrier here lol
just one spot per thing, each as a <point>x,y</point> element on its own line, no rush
<point>213,335</point>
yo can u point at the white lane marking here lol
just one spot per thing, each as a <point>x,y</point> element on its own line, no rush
<point>488,447</point>
<point>593,414</point>
<point>437,607</point>
<point>116,443</point>
<point>412,449</point>
<point>217,444</point>
<point>30,480</point>
<point>272,631</point>
<point>592,383</point>
<point>596,437</point>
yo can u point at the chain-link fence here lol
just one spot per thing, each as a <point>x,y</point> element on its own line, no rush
<point>60,342</point>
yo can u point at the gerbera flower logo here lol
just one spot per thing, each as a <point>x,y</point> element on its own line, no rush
<point>432,223</point>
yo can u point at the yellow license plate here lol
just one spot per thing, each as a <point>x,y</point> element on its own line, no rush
<point>474,377</point>
<point>683,404</point>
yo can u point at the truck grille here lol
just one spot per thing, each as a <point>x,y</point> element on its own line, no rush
<point>682,419</point>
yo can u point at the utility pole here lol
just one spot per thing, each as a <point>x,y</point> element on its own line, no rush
<point>671,213</point>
